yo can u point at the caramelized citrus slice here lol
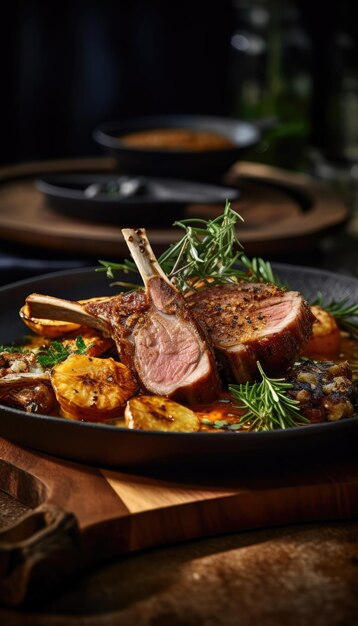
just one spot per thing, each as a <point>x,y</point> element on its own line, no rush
<point>159,413</point>
<point>95,343</point>
<point>88,388</point>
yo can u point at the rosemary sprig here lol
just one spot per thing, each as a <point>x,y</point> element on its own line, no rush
<point>268,406</point>
<point>58,352</point>
<point>343,311</point>
<point>260,271</point>
<point>206,254</point>
<point>209,253</point>
<point>127,267</point>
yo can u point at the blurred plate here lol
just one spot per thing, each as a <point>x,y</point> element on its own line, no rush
<point>283,212</point>
<point>112,198</point>
<point>204,164</point>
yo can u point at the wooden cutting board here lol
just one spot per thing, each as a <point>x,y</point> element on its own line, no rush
<point>57,517</point>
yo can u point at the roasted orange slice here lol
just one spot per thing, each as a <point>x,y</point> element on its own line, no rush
<point>159,413</point>
<point>92,389</point>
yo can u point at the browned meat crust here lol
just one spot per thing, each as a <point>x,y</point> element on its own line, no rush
<point>161,314</point>
<point>122,313</point>
<point>250,322</point>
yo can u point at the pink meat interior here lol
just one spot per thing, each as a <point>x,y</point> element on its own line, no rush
<point>168,351</point>
<point>277,312</point>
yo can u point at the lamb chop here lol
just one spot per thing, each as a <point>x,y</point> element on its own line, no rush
<point>250,322</point>
<point>155,333</point>
<point>170,353</point>
<point>245,322</point>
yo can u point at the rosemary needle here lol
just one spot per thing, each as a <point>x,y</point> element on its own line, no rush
<point>268,407</point>
<point>209,253</point>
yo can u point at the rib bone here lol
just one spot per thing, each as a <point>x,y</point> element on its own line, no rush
<point>170,353</point>
<point>143,255</point>
<point>49,307</point>
<point>155,333</point>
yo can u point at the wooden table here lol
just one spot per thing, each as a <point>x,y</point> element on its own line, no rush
<point>291,574</point>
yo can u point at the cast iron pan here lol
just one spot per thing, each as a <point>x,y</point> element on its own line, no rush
<point>110,446</point>
<point>201,165</point>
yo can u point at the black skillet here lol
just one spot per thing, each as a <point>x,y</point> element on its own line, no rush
<point>111,446</point>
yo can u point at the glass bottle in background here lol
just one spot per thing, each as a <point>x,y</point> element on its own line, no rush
<point>271,78</point>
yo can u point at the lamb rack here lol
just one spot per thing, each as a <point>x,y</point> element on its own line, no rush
<point>169,351</point>
<point>155,333</point>
<point>245,322</point>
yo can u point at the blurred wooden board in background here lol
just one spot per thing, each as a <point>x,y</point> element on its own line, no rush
<point>281,210</point>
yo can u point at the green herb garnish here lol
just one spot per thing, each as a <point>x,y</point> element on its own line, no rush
<point>260,271</point>
<point>127,267</point>
<point>58,352</point>
<point>343,312</point>
<point>268,406</point>
<point>11,349</point>
<point>221,424</point>
<point>209,253</point>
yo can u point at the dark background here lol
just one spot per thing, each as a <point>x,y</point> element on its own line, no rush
<point>68,66</point>
<point>72,65</point>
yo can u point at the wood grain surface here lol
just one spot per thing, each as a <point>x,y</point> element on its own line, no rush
<point>280,209</point>
<point>79,515</point>
<point>288,576</point>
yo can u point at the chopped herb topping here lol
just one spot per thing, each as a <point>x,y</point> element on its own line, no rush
<point>58,352</point>
<point>11,349</point>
